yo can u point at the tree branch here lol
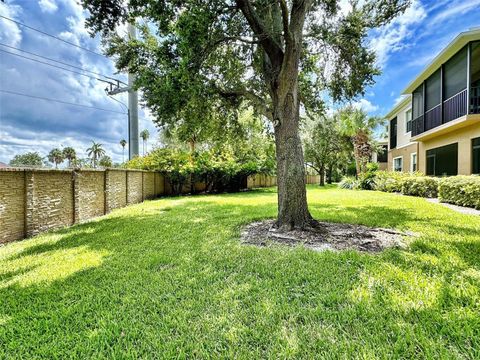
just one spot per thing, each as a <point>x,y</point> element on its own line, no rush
<point>285,20</point>
<point>271,47</point>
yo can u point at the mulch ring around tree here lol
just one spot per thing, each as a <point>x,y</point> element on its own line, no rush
<point>326,236</point>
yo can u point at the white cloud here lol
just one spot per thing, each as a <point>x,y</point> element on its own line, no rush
<point>365,105</point>
<point>10,33</point>
<point>48,6</point>
<point>454,9</point>
<point>391,37</point>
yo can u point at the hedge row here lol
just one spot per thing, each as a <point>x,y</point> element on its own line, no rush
<point>459,190</point>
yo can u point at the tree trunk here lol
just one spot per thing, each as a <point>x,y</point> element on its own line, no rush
<point>322,176</point>
<point>192,152</point>
<point>329,174</point>
<point>292,196</point>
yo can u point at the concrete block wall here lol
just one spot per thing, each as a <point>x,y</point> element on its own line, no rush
<point>12,205</point>
<point>134,186</point>
<point>89,194</point>
<point>148,185</point>
<point>49,200</point>
<point>34,201</point>
<point>115,189</point>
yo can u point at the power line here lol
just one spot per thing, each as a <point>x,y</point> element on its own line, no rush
<point>55,66</point>
<point>50,35</point>
<point>60,101</point>
<point>60,62</point>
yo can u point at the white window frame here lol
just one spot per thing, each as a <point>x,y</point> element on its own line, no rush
<point>411,161</point>
<point>393,163</point>
<point>406,120</point>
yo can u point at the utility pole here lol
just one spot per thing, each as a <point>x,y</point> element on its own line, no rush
<point>132,104</point>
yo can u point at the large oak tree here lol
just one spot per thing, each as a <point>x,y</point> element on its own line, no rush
<point>206,57</point>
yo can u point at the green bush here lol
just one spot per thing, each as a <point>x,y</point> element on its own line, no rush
<point>460,190</point>
<point>349,182</point>
<point>423,186</point>
<point>366,180</point>
<point>220,171</point>
<point>389,181</point>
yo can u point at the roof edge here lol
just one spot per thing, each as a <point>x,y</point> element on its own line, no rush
<point>402,103</point>
<point>451,49</point>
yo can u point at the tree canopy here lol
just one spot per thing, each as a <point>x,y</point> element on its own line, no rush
<point>27,159</point>
<point>208,57</point>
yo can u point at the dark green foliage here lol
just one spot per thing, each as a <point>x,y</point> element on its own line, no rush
<point>326,149</point>
<point>220,171</point>
<point>367,178</point>
<point>460,190</point>
<point>105,161</point>
<point>423,186</point>
<point>28,159</point>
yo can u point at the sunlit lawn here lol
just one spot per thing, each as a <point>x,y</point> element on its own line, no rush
<point>169,278</point>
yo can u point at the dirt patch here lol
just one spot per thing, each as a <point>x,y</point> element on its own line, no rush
<point>327,236</point>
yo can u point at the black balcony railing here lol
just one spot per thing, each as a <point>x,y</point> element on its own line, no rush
<point>475,100</point>
<point>433,117</point>
<point>455,107</point>
<point>417,126</point>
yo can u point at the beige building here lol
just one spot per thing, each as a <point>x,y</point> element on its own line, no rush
<point>435,129</point>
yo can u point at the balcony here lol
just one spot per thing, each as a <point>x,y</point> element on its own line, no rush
<point>450,95</point>
<point>453,108</point>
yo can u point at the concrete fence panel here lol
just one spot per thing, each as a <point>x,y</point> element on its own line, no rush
<point>134,187</point>
<point>159,184</point>
<point>148,185</point>
<point>12,205</point>
<point>89,194</point>
<point>49,200</point>
<point>115,189</point>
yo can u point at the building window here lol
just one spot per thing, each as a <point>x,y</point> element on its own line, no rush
<point>476,156</point>
<point>455,74</point>
<point>443,160</point>
<point>408,120</point>
<point>413,162</point>
<point>398,164</point>
<point>382,156</point>
<point>393,133</point>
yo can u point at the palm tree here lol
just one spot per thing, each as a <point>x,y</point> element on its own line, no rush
<point>56,156</point>
<point>123,143</point>
<point>95,151</point>
<point>358,126</point>
<point>70,154</point>
<point>145,134</point>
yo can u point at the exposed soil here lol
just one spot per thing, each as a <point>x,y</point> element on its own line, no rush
<point>326,236</point>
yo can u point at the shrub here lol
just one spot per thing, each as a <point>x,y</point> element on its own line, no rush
<point>389,181</point>
<point>423,186</point>
<point>366,180</point>
<point>349,182</point>
<point>460,190</point>
<point>220,171</point>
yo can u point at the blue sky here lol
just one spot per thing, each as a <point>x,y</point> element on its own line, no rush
<point>403,48</point>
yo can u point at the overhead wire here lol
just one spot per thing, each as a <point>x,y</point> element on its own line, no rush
<point>60,101</point>
<point>52,36</point>
<point>60,62</point>
<point>55,66</point>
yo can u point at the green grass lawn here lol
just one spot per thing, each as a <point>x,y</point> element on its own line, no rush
<point>169,279</point>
